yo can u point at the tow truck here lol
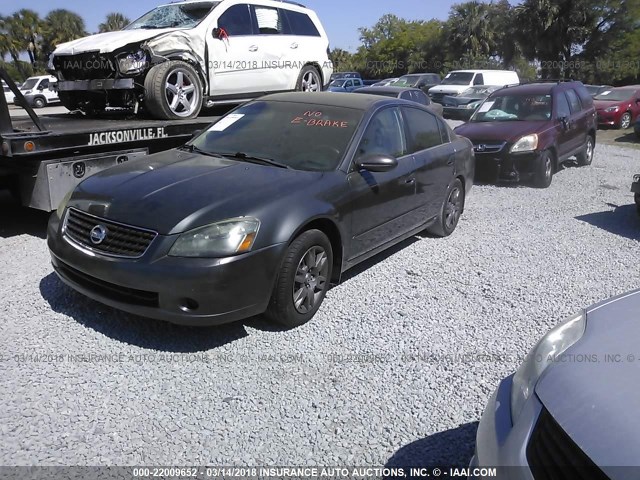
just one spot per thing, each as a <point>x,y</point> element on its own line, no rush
<point>43,157</point>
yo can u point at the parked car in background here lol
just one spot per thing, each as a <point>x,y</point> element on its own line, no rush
<point>459,80</point>
<point>423,81</point>
<point>528,131</point>
<point>618,107</point>
<point>597,89</point>
<point>412,94</point>
<point>635,188</point>
<point>336,75</point>
<point>345,85</point>
<point>263,210</point>
<point>8,94</point>
<point>39,91</point>
<point>571,409</point>
<point>462,106</point>
<point>385,82</point>
<point>181,55</point>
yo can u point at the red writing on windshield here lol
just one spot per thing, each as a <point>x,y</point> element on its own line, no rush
<point>318,122</point>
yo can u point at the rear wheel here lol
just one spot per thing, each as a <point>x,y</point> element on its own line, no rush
<point>625,121</point>
<point>173,91</point>
<point>309,80</point>
<point>586,156</point>
<point>544,170</point>
<point>303,280</point>
<point>450,211</point>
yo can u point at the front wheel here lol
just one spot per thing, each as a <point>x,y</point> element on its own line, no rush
<point>544,171</point>
<point>586,156</point>
<point>173,91</point>
<point>450,211</point>
<point>625,121</point>
<point>309,80</point>
<point>303,280</point>
<point>39,102</point>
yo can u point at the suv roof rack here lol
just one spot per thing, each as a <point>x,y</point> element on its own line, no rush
<point>292,3</point>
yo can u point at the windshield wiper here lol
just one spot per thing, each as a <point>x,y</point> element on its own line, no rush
<point>254,159</point>
<point>193,149</point>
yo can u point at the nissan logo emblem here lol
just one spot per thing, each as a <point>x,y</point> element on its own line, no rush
<point>481,148</point>
<point>98,234</point>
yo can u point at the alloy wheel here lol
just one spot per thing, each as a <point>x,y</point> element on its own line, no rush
<point>310,82</point>
<point>310,280</point>
<point>181,93</point>
<point>453,208</point>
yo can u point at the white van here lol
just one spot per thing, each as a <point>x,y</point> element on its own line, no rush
<point>459,80</point>
<point>39,91</point>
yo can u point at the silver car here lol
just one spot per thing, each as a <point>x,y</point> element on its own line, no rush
<point>573,403</point>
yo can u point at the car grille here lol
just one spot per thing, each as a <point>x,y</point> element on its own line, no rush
<point>120,240</point>
<point>487,147</point>
<point>84,66</point>
<point>552,455</point>
<point>108,290</point>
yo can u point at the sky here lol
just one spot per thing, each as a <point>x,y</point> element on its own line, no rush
<point>341,18</point>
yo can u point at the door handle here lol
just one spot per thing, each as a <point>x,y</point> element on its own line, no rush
<point>451,160</point>
<point>253,48</point>
<point>294,45</point>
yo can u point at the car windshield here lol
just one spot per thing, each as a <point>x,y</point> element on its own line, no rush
<point>458,78</point>
<point>593,89</point>
<point>406,81</point>
<point>514,108</point>
<point>179,15</point>
<point>338,83</point>
<point>615,95</point>
<point>29,84</point>
<point>298,135</point>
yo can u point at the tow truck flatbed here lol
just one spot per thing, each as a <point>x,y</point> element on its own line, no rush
<point>42,158</point>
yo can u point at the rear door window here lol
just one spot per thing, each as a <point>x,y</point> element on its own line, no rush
<point>269,20</point>
<point>299,24</point>
<point>423,131</point>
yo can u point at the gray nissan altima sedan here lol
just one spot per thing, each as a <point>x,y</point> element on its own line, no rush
<point>572,409</point>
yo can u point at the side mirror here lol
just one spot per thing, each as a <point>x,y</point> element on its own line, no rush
<point>219,33</point>
<point>377,163</point>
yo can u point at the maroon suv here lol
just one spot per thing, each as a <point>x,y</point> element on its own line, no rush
<point>528,131</point>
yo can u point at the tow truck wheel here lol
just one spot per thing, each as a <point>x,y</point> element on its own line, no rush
<point>173,91</point>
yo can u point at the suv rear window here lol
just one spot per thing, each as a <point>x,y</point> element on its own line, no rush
<point>299,24</point>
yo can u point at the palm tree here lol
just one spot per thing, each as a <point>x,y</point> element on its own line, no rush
<point>114,22</point>
<point>61,26</point>
<point>20,33</point>
<point>469,29</point>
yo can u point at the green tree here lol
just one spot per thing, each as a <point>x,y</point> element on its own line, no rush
<point>61,26</point>
<point>114,22</point>
<point>469,30</point>
<point>19,33</point>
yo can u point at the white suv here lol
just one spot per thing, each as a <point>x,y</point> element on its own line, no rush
<point>179,55</point>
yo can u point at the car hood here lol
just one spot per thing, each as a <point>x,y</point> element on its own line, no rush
<point>448,89</point>
<point>507,131</point>
<point>176,191</point>
<point>455,100</point>
<point>595,398</point>
<point>110,41</point>
<point>336,89</point>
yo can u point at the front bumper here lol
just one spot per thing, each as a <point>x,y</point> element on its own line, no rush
<point>505,166</point>
<point>185,291</point>
<point>96,84</point>
<point>608,119</point>
<point>501,444</point>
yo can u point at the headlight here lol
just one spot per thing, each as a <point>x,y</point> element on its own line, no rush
<point>472,105</point>
<point>132,62</point>
<point>64,203</point>
<point>525,144</point>
<point>553,344</point>
<point>50,63</point>
<point>221,239</point>
<point>612,109</point>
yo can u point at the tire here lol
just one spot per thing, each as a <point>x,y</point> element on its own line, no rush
<point>636,198</point>
<point>625,121</point>
<point>39,102</point>
<point>586,156</point>
<point>544,170</point>
<point>173,91</point>
<point>309,80</point>
<point>289,305</point>
<point>452,208</point>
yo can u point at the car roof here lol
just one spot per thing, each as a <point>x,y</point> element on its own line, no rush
<point>346,100</point>
<point>540,88</point>
<point>386,89</point>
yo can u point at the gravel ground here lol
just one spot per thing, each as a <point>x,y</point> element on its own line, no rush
<point>386,374</point>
